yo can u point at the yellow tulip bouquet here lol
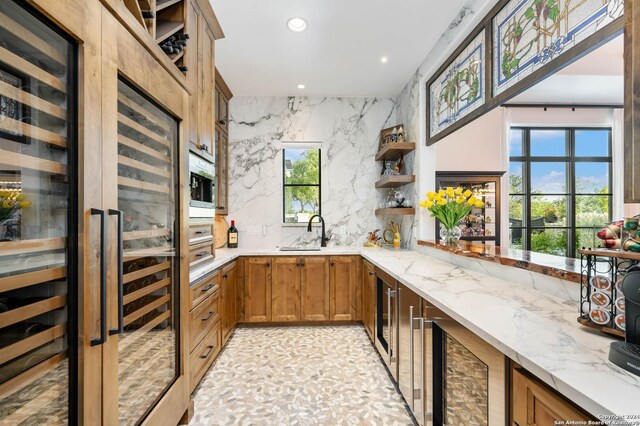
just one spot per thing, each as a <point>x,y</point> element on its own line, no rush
<point>450,205</point>
<point>11,202</point>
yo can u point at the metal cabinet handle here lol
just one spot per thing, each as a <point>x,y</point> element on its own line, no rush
<point>411,360</point>
<point>390,294</point>
<point>206,355</point>
<point>208,316</point>
<point>225,276</point>
<point>423,396</point>
<point>371,273</point>
<point>120,328</point>
<point>207,288</point>
<point>103,278</point>
<point>199,232</point>
<point>204,253</point>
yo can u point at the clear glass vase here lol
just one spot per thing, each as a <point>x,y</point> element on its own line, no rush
<point>450,236</point>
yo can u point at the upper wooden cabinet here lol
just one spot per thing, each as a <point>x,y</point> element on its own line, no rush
<point>345,300</point>
<point>199,58</point>
<point>257,288</point>
<point>221,143</point>
<point>285,289</point>
<point>315,288</point>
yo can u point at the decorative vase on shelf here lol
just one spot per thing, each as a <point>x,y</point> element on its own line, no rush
<point>450,235</point>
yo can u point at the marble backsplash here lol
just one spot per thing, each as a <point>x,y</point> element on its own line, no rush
<point>348,130</point>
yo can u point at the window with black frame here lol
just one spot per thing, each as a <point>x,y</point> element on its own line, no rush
<point>559,188</point>
<point>301,184</point>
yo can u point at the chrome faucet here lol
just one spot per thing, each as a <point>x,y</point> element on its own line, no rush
<point>323,239</point>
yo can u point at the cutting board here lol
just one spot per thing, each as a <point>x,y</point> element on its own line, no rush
<point>220,228</point>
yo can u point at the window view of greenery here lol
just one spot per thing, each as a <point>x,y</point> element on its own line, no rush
<point>301,177</point>
<point>559,188</point>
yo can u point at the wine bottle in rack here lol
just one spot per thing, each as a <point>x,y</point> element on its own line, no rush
<point>232,235</point>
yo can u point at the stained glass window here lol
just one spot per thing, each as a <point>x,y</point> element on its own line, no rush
<point>529,33</point>
<point>460,88</point>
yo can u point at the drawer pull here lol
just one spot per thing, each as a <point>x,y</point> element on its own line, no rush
<point>204,253</point>
<point>199,232</point>
<point>206,355</point>
<point>225,276</point>
<point>207,288</point>
<point>208,316</point>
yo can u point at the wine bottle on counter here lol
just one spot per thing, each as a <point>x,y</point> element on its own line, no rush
<point>232,235</point>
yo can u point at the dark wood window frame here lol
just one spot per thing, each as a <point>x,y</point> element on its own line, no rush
<point>571,159</point>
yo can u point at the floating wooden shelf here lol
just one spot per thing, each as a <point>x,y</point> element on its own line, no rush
<point>395,181</point>
<point>164,29</point>
<point>398,210</point>
<point>394,150</point>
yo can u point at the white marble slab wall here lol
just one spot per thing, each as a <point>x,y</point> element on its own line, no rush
<point>348,130</point>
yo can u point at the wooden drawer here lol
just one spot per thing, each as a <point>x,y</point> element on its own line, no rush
<point>201,253</point>
<point>203,317</point>
<point>200,233</point>
<point>203,288</point>
<point>203,355</point>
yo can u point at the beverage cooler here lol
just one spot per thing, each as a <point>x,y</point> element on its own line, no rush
<point>446,374</point>
<point>38,205</point>
<point>482,224</point>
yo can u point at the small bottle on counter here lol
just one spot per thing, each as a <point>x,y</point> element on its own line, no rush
<point>232,235</point>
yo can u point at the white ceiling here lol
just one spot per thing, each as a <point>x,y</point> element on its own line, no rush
<point>338,55</point>
<point>595,79</point>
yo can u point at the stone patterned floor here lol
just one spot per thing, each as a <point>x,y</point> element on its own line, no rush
<point>299,376</point>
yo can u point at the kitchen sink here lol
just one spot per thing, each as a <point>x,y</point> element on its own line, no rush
<point>299,248</point>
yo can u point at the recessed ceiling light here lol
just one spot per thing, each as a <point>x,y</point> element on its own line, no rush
<point>297,25</point>
<point>301,86</point>
<point>384,59</point>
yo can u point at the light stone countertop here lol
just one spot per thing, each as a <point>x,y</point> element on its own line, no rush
<point>537,331</point>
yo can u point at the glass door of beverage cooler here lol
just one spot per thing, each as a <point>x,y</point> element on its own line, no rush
<point>482,224</point>
<point>148,284</point>
<point>37,225</point>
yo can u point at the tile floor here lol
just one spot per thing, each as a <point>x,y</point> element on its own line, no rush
<point>299,376</point>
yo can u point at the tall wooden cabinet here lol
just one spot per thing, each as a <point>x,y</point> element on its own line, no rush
<point>96,325</point>
<point>221,149</point>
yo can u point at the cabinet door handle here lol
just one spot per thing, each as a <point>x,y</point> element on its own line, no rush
<point>204,253</point>
<point>390,294</point>
<point>206,355</point>
<point>411,360</point>
<point>371,273</point>
<point>423,396</point>
<point>207,288</point>
<point>120,328</point>
<point>103,278</point>
<point>225,276</point>
<point>208,316</point>
<point>332,264</point>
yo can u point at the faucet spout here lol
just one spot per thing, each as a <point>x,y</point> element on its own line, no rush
<point>323,239</point>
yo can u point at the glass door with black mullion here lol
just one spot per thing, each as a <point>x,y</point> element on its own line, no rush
<point>37,205</point>
<point>147,211</point>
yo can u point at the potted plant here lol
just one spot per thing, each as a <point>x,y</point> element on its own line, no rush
<point>449,206</point>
